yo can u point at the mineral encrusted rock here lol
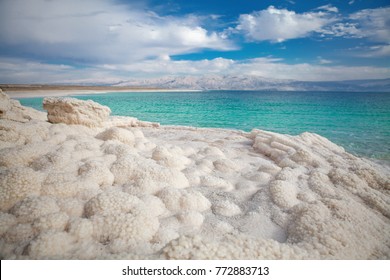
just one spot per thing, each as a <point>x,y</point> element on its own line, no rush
<point>74,111</point>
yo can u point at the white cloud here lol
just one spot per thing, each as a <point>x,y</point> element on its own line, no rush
<point>373,24</point>
<point>324,61</point>
<point>378,51</point>
<point>342,29</point>
<point>19,71</point>
<point>267,67</point>
<point>373,51</point>
<point>329,8</point>
<point>164,66</point>
<point>119,42</point>
<point>311,72</point>
<point>26,71</point>
<point>100,30</point>
<point>280,24</point>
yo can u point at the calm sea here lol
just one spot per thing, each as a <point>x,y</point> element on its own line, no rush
<point>360,122</point>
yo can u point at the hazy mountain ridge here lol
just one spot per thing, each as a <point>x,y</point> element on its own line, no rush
<point>247,82</point>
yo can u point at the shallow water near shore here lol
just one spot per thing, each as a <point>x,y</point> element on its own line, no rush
<point>360,122</point>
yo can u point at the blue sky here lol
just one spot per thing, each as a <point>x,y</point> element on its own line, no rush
<point>105,41</point>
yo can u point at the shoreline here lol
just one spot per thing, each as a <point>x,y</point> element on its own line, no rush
<point>376,154</point>
<point>35,91</point>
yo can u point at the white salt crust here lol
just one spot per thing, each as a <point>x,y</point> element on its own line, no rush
<point>89,186</point>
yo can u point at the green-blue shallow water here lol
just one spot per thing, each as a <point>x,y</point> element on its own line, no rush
<point>360,122</point>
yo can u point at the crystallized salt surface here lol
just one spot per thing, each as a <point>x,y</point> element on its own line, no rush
<point>121,188</point>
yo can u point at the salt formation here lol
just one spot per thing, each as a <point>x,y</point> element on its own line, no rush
<point>89,186</point>
<point>74,111</point>
<point>12,110</point>
<point>89,113</point>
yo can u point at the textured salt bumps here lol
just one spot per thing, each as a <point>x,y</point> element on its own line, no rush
<point>12,110</point>
<point>75,111</point>
<point>119,188</point>
<point>5,105</point>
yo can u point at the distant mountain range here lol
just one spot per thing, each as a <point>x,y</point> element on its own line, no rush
<point>247,82</point>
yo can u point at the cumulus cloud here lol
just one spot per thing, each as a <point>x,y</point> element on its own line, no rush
<point>100,30</point>
<point>373,24</point>
<point>342,29</point>
<point>280,24</point>
<point>370,24</point>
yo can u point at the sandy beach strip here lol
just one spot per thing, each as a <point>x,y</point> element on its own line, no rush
<point>32,91</point>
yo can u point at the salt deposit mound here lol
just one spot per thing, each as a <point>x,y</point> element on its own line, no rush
<point>12,110</point>
<point>88,113</point>
<point>73,111</point>
<point>88,186</point>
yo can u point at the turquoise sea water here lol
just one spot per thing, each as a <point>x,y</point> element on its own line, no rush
<point>360,122</point>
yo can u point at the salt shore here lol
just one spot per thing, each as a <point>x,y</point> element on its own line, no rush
<point>78,184</point>
<point>74,91</point>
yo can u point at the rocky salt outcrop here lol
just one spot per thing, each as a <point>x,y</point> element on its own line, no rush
<point>12,110</point>
<point>74,111</point>
<point>88,113</point>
